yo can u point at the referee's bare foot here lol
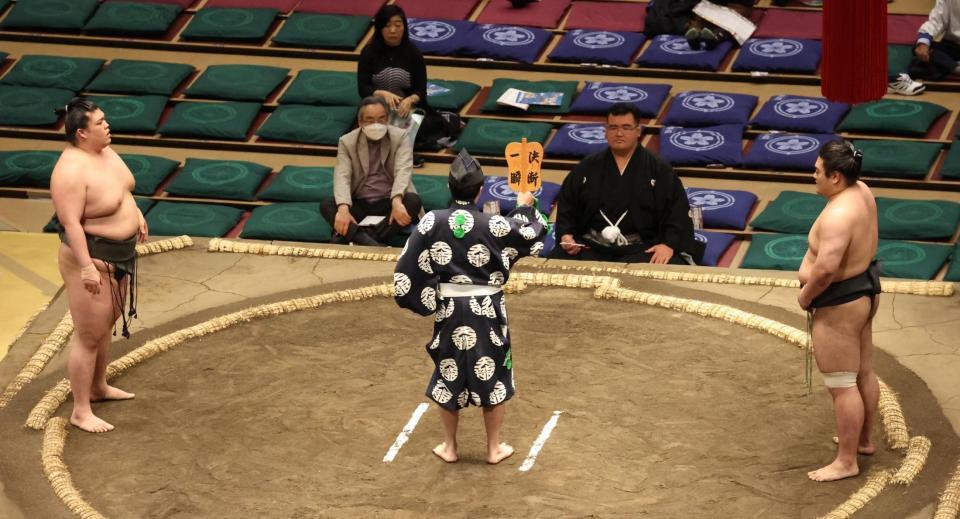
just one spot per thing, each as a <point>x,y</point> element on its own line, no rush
<point>90,423</point>
<point>867,449</point>
<point>833,472</point>
<point>499,453</point>
<point>109,393</point>
<point>448,454</point>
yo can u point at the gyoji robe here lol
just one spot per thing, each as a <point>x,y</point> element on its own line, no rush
<point>470,346</point>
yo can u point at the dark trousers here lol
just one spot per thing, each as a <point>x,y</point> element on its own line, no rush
<point>361,209</point>
<point>943,60</point>
<point>632,254</point>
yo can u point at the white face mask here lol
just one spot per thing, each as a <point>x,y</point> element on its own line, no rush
<point>375,131</point>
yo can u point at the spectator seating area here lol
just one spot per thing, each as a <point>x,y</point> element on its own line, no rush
<point>246,106</point>
<point>550,34</point>
<point>722,131</point>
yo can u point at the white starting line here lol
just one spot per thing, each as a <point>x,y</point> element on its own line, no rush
<point>406,432</point>
<point>538,444</point>
<point>422,408</point>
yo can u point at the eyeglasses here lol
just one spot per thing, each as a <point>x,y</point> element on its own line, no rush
<point>612,128</point>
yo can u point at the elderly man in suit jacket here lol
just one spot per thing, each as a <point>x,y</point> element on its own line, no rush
<point>372,178</point>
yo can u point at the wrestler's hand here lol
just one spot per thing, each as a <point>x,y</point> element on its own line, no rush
<point>341,223</point>
<point>143,231</point>
<point>661,254</point>
<point>569,245</point>
<point>91,278</point>
<point>399,213</point>
<point>803,302</point>
<point>923,52</point>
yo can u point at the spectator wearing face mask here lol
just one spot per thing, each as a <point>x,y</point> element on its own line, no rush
<point>372,178</point>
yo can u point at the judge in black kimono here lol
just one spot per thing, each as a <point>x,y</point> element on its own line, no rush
<point>624,204</point>
<point>454,265</point>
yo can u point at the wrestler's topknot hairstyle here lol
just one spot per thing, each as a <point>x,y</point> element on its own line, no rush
<point>77,114</point>
<point>839,155</point>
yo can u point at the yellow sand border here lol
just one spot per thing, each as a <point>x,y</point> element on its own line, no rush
<point>891,417</point>
<point>49,348</point>
<point>875,484</point>
<point>53,343</point>
<point>26,326</point>
<point>920,288</point>
<point>949,507</point>
<point>605,288</point>
<point>54,439</point>
<point>913,462</point>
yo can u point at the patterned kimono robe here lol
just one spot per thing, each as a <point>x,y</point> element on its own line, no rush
<point>470,346</point>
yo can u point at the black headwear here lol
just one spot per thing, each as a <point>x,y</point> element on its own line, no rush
<point>465,172</point>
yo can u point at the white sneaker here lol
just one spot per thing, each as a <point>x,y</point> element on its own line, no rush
<point>905,86</point>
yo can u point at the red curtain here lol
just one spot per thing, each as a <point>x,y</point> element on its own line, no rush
<point>854,64</point>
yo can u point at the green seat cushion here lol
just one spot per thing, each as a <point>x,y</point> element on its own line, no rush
<point>238,82</point>
<point>50,14</point>
<point>144,204</point>
<point>433,190</point>
<point>569,88</point>
<point>320,87</point>
<point>177,218</point>
<point>31,106</point>
<point>133,19</point>
<point>130,114</point>
<point>228,121</point>
<point>902,159</point>
<point>450,95</point>
<point>953,273</point>
<point>775,252</point>
<point>53,72</point>
<point>308,124</point>
<point>230,179</point>
<point>124,76</point>
<point>227,24</point>
<point>904,219</point>
<point>322,30</point>
<point>27,168</point>
<point>149,171</point>
<point>951,166</point>
<point>900,259</point>
<point>791,212</point>
<point>491,136</point>
<point>912,118</point>
<point>292,221</point>
<point>300,184</point>
<point>898,59</point>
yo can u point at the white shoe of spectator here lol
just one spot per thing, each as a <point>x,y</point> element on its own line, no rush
<point>905,86</point>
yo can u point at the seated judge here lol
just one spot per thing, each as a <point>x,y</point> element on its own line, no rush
<point>372,178</point>
<point>624,204</point>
